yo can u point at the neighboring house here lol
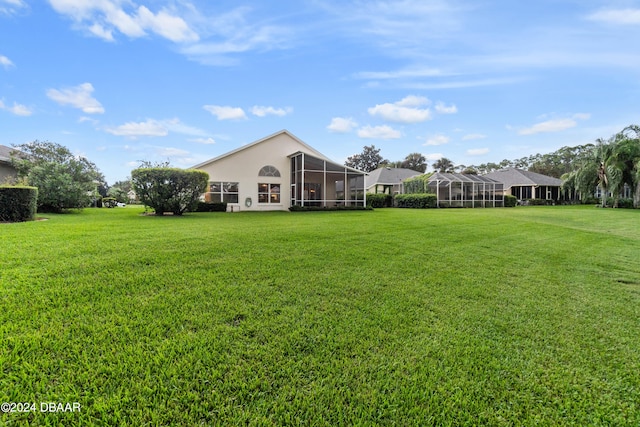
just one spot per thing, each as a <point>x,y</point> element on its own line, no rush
<point>465,190</point>
<point>132,196</point>
<point>387,180</point>
<point>7,171</point>
<point>528,185</point>
<point>280,171</point>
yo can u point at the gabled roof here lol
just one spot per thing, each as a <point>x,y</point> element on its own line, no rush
<point>390,176</point>
<point>517,177</point>
<point>5,153</point>
<point>310,149</point>
<point>461,177</point>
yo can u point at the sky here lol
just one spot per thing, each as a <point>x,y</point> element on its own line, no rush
<point>475,81</point>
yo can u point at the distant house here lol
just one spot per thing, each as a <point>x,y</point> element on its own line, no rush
<point>457,190</point>
<point>7,171</point>
<point>280,171</point>
<point>388,180</point>
<point>528,185</point>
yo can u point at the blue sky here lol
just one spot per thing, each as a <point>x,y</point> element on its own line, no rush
<point>120,81</point>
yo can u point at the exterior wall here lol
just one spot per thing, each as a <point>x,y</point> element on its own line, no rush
<point>6,171</point>
<point>243,166</point>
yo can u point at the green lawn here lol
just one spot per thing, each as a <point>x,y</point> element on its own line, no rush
<point>523,316</point>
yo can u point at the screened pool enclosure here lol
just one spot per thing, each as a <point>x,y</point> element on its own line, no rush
<point>465,191</point>
<point>319,182</point>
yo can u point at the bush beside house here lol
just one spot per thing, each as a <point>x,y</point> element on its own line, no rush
<point>379,200</point>
<point>510,201</point>
<point>417,200</point>
<point>18,203</point>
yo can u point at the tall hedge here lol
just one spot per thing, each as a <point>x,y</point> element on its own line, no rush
<point>378,200</point>
<point>419,201</point>
<point>418,184</point>
<point>167,189</point>
<point>18,203</point>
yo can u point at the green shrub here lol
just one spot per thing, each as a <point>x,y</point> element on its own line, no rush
<point>622,203</point>
<point>377,200</point>
<point>591,201</point>
<point>417,201</point>
<point>510,201</point>
<point>109,202</point>
<point>166,189</point>
<point>18,203</point>
<point>211,207</point>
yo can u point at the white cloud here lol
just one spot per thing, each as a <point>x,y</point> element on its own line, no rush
<point>433,156</point>
<point>8,7</point>
<point>207,141</point>
<point>443,109</point>
<point>17,109</point>
<point>617,16</point>
<point>413,101</point>
<point>477,151</point>
<point>132,129</point>
<point>170,151</point>
<point>437,140</point>
<point>102,17</point>
<point>261,111</point>
<point>582,116</point>
<point>230,33</point>
<point>400,74</point>
<point>152,127</point>
<point>78,97</point>
<point>472,136</point>
<point>554,125</point>
<point>403,111</point>
<point>175,125</point>
<point>5,62</point>
<point>379,132</point>
<point>164,24</point>
<point>226,112</point>
<point>342,125</point>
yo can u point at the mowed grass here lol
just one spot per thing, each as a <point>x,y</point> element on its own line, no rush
<point>523,316</point>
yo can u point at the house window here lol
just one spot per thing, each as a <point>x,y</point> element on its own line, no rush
<point>222,192</point>
<point>268,193</point>
<point>269,171</point>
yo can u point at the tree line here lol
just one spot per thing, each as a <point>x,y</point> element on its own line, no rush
<point>555,164</point>
<point>609,165</point>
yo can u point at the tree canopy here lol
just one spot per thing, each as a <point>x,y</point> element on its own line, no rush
<point>167,189</point>
<point>609,165</point>
<point>370,159</point>
<point>64,180</point>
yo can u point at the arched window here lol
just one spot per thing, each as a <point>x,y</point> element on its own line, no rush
<point>269,171</point>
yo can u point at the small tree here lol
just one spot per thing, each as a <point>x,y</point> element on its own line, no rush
<point>416,162</point>
<point>370,159</point>
<point>64,181</point>
<point>166,189</point>
<point>443,165</point>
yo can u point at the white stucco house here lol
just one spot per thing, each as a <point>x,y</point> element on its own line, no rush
<point>280,171</point>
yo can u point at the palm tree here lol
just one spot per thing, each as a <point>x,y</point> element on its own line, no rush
<point>609,166</point>
<point>625,161</point>
<point>443,165</point>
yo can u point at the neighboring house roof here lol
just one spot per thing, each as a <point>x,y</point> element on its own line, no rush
<point>390,176</point>
<point>517,177</point>
<point>311,150</point>
<point>461,177</point>
<point>5,153</point>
